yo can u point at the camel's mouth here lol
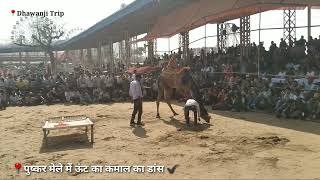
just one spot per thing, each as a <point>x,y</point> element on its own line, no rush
<point>206,118</point>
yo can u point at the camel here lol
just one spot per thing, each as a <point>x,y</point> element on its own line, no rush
<point>183,82</point>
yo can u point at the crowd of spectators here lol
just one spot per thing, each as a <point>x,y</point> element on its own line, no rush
<point>287,83</point>
<point>79,87</point>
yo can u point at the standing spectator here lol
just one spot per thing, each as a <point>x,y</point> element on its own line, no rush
<point>109,84</point>
<point>135,93</point>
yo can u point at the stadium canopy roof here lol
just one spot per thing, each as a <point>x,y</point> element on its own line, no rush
<point>136,18</point>
<point>201,12</point>
<point>164,18</point>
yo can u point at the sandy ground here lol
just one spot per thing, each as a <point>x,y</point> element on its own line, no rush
<point>234,145</point>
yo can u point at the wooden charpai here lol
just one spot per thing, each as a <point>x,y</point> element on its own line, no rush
<point>67,122</point>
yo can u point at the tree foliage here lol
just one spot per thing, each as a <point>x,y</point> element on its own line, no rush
<point>40,33</point>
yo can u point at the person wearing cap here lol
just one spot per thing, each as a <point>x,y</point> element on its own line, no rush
<point>135,93</point>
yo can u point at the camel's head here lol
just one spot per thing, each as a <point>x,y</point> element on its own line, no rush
<point>204,114</point>
<point>206,118</point>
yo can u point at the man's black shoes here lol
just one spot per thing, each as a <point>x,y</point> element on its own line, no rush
<point>132,124</point>
<point>140,124</point>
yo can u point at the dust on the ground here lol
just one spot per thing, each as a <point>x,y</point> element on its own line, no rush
<point>233,145</point>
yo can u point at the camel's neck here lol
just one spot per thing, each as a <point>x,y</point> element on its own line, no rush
<point>196,94</point>
<point>195,89</point>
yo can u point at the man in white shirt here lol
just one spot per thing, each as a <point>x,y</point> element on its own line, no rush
<point>192,105</point>
<point>135,93</point>
<point>134,75</point>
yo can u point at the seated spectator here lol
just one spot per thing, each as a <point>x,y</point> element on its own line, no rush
<point>104,97</point>
<point>96,95</point>
<point>52,97</point>
<point>251,99</point>
<point>308,85</point>
<point>75,97</point>
<point>10,83</point>
<point>21,84</point>
<point>2,84</point>
<point>236,102</point>
<point>223,101</point>
<point>85,98</point>
<point>3,100</point>
<point>68,95</point>
<point>14,100</point>
<point>32,99</point>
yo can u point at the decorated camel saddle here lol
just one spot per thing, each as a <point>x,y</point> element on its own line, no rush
<point>171,72</point>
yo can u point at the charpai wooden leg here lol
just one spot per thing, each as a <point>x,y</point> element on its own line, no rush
<point>92,136</point>
<point>45,135</point>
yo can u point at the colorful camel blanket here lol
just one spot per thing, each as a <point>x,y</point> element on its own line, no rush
<point>171,75</point>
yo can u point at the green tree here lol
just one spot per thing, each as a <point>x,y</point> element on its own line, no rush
<point>40,33</point>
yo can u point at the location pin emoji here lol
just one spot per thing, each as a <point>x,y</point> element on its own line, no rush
<point>13,11</point>
<point>18,166</point>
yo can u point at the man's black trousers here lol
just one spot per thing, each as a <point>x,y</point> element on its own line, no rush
<point>186,113</point>
<point>137,108</point>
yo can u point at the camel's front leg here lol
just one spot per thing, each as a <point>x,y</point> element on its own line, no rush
<point>160,92</point>
<point>158,103</point>
<point>174,112</point>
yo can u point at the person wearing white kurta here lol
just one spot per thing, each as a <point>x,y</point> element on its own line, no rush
<point>192,105</point>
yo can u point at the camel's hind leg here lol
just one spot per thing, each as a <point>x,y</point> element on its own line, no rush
<point>158,103</point>
<point>174,112</point>
<point>160,94</point>
<point>167,97</point>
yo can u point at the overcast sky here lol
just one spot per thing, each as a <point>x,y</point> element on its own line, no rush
<point>85,13</point>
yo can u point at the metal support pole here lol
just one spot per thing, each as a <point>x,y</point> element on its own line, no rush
<point>99,63</point>
<point>136,47</point>
<point>309,21</point>
<point>222,37</point>
<point>155,50</point>
<point>259,53</point>
<point>66,53</point>
<point>105,50</point>
<point>185,46</point>
<point>205,37</point>
<point>111,56</point>
<point>46,58</point>
<point>26,57</point>
<point>89,55</point>
<point>120,52</point>
<point>289,25</point>
<point>245,33</point>
<point>127,49</point>
<point>81,57</point>
<point>20,57</point>
<point>150,51</point>
<point>169,46</point>
<point>218,38</point>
